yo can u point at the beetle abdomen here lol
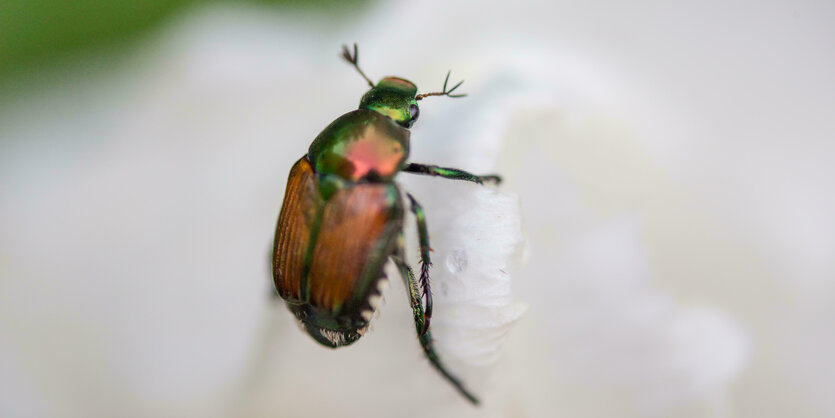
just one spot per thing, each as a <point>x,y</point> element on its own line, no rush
<point>329,254</point>
<point>357,233</point>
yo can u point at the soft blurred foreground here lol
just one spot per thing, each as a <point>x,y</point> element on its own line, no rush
<point>672,165</point>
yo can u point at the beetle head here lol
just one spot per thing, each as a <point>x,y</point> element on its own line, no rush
<point>395,98</point>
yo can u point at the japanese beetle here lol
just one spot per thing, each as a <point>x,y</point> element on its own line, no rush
<point>342,219</point>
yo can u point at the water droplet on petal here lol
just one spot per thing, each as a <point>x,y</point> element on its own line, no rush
<point>456,261</point>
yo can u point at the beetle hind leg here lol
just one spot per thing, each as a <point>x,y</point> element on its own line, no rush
<point>425,261</point>
<point>424,336</point>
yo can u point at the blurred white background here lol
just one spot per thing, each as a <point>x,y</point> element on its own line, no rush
<point>672,162</point>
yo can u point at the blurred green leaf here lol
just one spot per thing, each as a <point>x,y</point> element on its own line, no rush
<point>37,33</point>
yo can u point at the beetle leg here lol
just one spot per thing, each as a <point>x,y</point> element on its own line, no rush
<point>425,337</point>
<point>414,292</point>
<point>423,235</point>
<point>450,173</point>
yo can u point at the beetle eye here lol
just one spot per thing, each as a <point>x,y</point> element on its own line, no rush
<point>414,113</point>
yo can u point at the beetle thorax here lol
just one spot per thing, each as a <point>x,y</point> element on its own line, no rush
<point>372,151</point>
<point>361,145</point>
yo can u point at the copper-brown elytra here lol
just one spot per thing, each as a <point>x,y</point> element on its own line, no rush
<point>342,219</point>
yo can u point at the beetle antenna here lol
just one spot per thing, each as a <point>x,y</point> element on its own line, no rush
<point>444,91</point>
<point>346,54</point>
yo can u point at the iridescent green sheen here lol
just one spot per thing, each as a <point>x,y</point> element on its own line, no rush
<point>393,97</point>
<point>361,144</point>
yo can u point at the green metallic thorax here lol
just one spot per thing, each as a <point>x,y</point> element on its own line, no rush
<point>360,145</point>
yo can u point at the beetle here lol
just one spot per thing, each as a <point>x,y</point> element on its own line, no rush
<point>342,219</point>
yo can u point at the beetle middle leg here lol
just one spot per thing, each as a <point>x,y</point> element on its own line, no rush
<point>450,173</point>
<point>421,325</point>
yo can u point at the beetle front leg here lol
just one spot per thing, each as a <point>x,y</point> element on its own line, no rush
<point>450,173</point>
<point>424,336</point>
<point>423,235</point>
